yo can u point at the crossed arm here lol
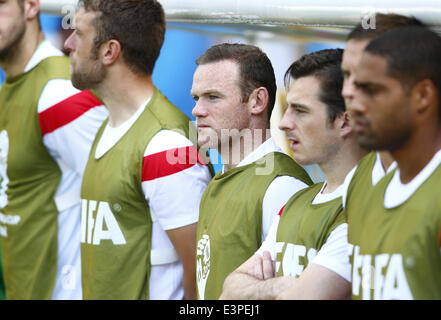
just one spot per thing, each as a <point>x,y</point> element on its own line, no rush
<point>255,280</point>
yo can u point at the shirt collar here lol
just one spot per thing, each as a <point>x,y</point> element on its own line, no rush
<point>44,50</point>
<point>267,147</point>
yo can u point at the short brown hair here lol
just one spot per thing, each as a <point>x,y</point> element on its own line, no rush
<point>325,65</point>
<point>383,23</point>
<point>412,55</point>
<point>255,68</point>
<point>138,25</point>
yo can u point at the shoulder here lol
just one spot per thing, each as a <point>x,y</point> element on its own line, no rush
<point>55,91</point>
<point>166,140</point>
<point>166,113</point>
<point>60,103</point>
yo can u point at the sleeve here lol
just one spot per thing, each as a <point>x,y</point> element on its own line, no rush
<point>276,196</point>
<point>334,253</point>
<point>174,179</point>
<point>269,244</point>
<point>69,120</point>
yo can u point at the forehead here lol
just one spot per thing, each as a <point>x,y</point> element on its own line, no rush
<point>84,19</point>
<point>352,53</point>
<point>305,90</point>
<point>219,74</point>
<point>371,68</point>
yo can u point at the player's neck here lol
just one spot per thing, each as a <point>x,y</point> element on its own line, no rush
<point>123,94</point>
<point>338,166</point>
<point>15,63</point>
<point>237,149</point>
<point>417,152</point>
<point>386,159</point>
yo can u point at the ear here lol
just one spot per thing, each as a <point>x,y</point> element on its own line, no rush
<point>423,95</point>
<point>258,101</point>
<point>343,121</point>
<point>31,9</point>
<point>110,51</point>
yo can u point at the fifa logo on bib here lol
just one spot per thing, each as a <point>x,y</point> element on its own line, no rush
<point>202,264</point>
<point>4,180</point>
<point>101,226</point>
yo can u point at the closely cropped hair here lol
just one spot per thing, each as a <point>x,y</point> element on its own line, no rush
<point>383,23</point>
<point>255,68</point>
<point>412,54</point>
<point>324,65</point>
<point>138,25</point>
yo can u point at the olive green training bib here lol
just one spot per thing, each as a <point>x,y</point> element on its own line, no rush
<point>395,253</point>
<point>116,226</point>
<point>303,229</point>
<point>230,219</point>
<point>29,180</point>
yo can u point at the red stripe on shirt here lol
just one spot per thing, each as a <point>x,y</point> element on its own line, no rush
<point>281,210</point>
<point>169,162</point>
<point>66,111</point>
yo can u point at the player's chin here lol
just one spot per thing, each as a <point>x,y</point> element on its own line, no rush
<point>368,142</point>
<point>204,141</point>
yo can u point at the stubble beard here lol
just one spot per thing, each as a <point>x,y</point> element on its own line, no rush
<point>384,142</point>
<point>12,47</point>
<point>88,78</point>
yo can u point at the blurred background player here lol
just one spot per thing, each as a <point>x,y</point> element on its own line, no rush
<point>394,228</point>
<point>309,243</point>
<point>46,130</point>
<point>376,164</point>
<point>144,178</point>
<point>234,90</point>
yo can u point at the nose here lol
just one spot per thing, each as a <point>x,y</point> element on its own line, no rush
<point>287,123</point>
<point>198,110</point>
<point>357,105</point>
<point>352,96</point>
<point>348,88</point>
<point>69,43</point>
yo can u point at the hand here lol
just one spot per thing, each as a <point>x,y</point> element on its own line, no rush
<point>262,267</point>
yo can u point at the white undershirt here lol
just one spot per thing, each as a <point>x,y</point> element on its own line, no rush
<point>397,193</point>
<point>111,135</point>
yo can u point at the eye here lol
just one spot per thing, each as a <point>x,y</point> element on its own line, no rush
<point>369,90</point>
<point>366,88</point>
<point>212,97</point>
<point>298,109</point>
<point>195,98</point>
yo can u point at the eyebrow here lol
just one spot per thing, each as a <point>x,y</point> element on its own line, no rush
<point>207,92</point>
<point>361,84</point>
<point>298,106</point>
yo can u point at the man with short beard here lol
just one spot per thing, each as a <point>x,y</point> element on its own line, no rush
<point>394,227</point>
<point>46,131</point>
<point>377,163</point>
<point>144,178</point>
